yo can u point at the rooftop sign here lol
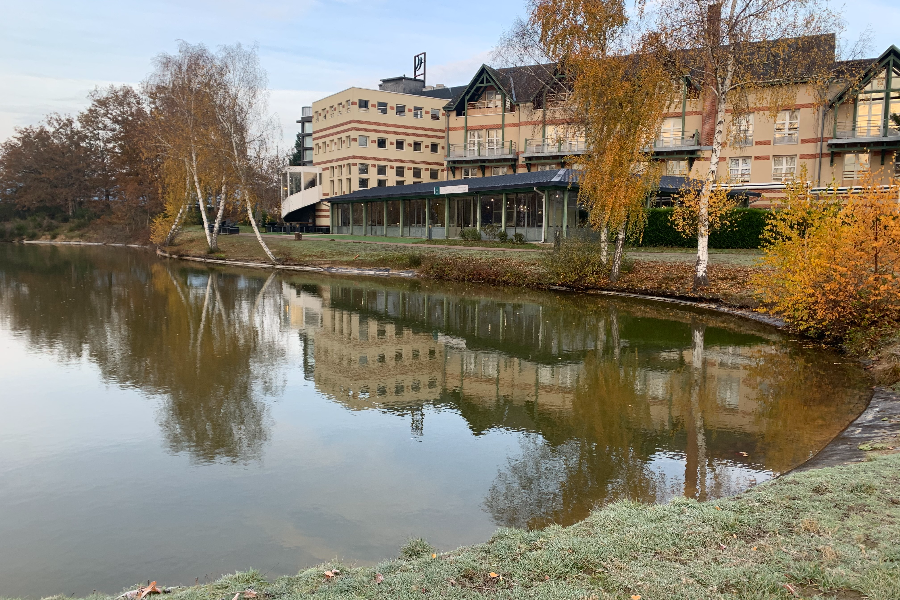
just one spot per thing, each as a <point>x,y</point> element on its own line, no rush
<point>451,189</point>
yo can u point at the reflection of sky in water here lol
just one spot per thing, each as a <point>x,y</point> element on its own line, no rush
<point>162,422</point>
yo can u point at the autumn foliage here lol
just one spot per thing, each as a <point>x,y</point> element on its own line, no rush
<point>833,260</point>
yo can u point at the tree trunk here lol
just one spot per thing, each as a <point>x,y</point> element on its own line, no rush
<point>256,231</point>
<point>701,278</point>
<point>173,231</point>
<point>214,234</point>
<point>200,202</point>
<point>604,243</point>
<point>619,252</point>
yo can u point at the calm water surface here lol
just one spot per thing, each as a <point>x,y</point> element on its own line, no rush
<point>166,421</point>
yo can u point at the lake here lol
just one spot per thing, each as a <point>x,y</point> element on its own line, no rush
<point>163,420</point>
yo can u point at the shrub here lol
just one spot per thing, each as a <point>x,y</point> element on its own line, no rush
<point>416,548</point>
<point>834,263</point>
<point>490,232</point>
<point>473,235</point>
<point>502,237</point>
<point>575,263</point>
<point>744,230</point>
<point>518,238</point>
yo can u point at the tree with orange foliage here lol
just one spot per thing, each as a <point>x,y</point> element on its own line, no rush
<point>833,260</point>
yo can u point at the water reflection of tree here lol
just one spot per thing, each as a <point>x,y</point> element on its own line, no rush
<point>204,347</point>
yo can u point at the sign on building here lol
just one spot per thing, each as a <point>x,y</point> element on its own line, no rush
<point>451,189</point>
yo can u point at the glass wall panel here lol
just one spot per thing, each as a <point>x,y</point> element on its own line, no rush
<point>393,218</point>
<point>414,213</point>
<point>437,212</point>
<point>491,207</point>
<point>464,212</point>
<point>357,213</point>
<point>555,200</point>
<point>376,213</point>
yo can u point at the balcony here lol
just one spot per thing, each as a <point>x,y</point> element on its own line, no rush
<point>484,150</point>
<point>676,142</point>
<point>306,111</point>
<point>865,130</point>
<point>549,146</point>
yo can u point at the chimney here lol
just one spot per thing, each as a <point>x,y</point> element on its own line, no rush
<point>714,38</point>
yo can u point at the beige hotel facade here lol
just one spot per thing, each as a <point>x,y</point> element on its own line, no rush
<point>513,120</point>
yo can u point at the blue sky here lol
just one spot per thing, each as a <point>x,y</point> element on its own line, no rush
<point>53,52</point>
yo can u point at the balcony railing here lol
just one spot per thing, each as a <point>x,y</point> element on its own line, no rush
<point>848,130</point>
<point>676,141</point>
<point>486,149</point>
<point>306,111</point>
<point>554,146</point>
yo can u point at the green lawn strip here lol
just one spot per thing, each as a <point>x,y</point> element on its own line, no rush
<point>482,244</point>
<point>826,533</point>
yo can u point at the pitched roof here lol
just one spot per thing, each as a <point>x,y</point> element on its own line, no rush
<point>557,178</point>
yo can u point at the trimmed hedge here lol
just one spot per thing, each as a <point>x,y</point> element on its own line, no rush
<point>744,231</point>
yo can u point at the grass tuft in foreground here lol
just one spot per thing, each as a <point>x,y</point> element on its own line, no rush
<point>827,533</point>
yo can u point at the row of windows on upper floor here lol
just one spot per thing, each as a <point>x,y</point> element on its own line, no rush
<point>786,130</point>
<point>400,110</point>
<point>364,141</point>
<point>784,168</point>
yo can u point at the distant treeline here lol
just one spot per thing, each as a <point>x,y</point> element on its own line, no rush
<point>114,164</point>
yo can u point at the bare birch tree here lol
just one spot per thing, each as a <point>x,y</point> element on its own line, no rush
<point>744,54</point>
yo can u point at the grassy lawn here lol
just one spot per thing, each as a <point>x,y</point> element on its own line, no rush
<point>826,533</point>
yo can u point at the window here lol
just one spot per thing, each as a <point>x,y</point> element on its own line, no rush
<point>382,170</point>
<point>787,127</point>
<point>401,110</point>
<point>435,114</point>
<point>739,170</point>
<point>382,183</point>
<point>417,172</point>
<point>342,143</point>
<point>435,148</point>
<point>363,168</point>
<point>676,168</point>
<point>382,107</point>
<point>469,172</point>
<point>417,146</point>
<point>381,143</point>
<point>363,183</point>
<point>363,105</point>
<point>399,171</point>
<point>400,145</point>
<point>498,170</point>
<point>417,112</point>
<point>856,165</point>
<point>670,134</point>
<point>347,140</point>
<point>433,173</point>
<point>783,168</point>
<point>363,141</point>
<point>400,182</point>
<point>743,130</point>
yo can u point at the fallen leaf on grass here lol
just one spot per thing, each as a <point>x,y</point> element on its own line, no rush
<point>743,454</point>
<point>150,589</point>
<point>791,589</point>
<point>635,597</point>
<point>433,555</point>
<point>331,573</point>
<point>250,594</point>
<point>379,577</point>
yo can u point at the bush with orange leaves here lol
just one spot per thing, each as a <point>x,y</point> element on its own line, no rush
<point>833,260</point>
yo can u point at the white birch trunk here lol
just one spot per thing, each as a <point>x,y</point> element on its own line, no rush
<point>200,201</point>
<point>170,237</point>
<point>256,231</point>
<point>701,278</point>
<point>214,234</point>
<point>619,252</point>
<point>604,243</point>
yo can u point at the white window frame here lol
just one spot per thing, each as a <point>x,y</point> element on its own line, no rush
<point>434,147</point>
<point>400,110</point>
<point>784,168</point>
<point>378,142</point>
<point>739,169</point>
<point>362,141</point>
<point>670,133</point>
<point>359,105</point>
<point>787,128</point>
<point>435,114</point>
<point>381,107</point>
<point>363,183</point>
<point>414,169</point>
<point>498,171</point>
<point>859,167</point>
<point>417,112</point>
<point>414,146</point>
<point>381,170</point>
<point>682,171</point>
<point>434,174</point>
<point>362,169</point>
<point>400,145</point>
<point>470,172</point>
<point>743,131</point>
